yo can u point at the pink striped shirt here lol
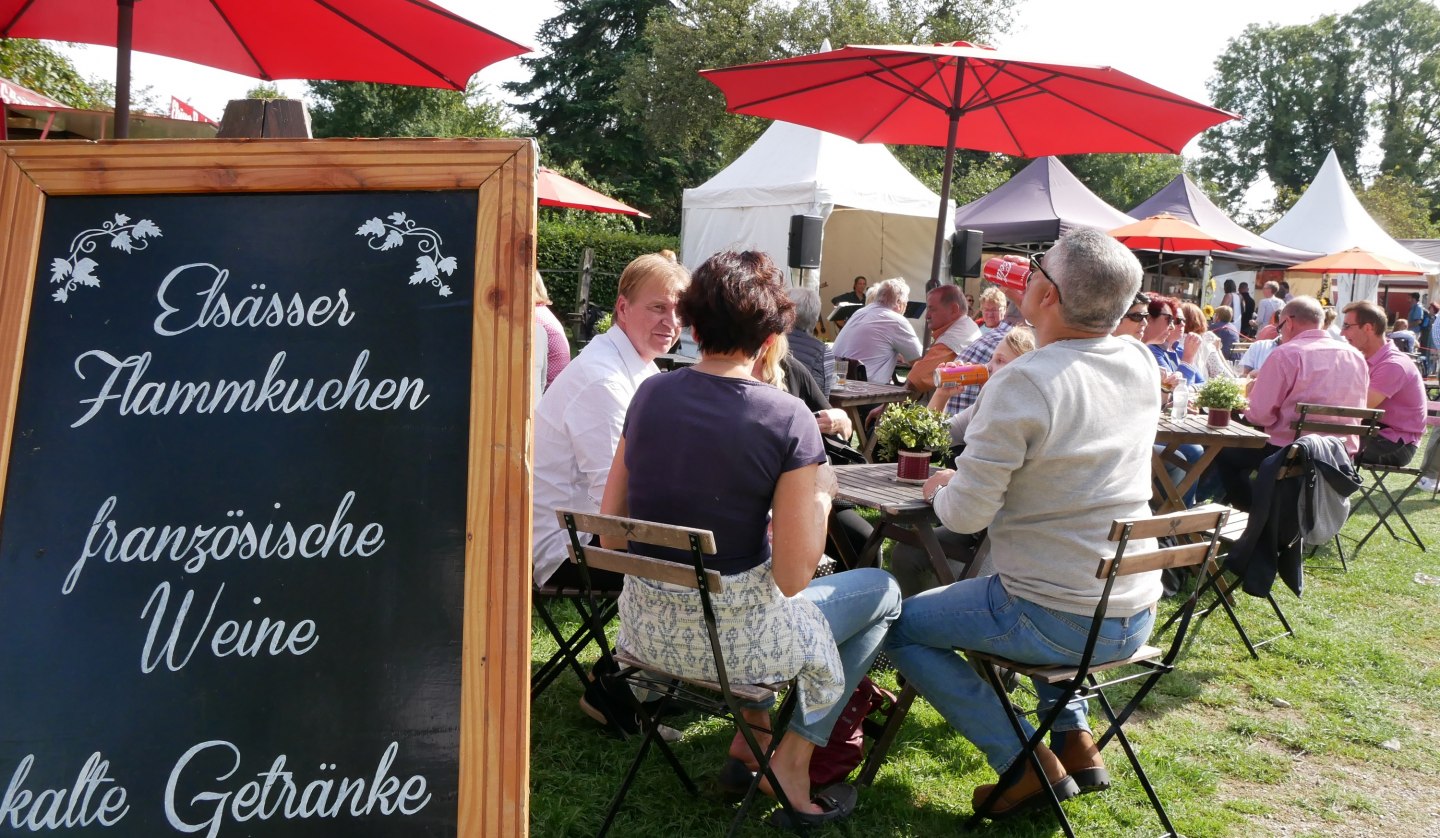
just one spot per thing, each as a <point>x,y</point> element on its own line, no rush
<point>1312,368</point>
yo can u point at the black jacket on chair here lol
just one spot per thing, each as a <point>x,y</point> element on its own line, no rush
<point>1272,543</point>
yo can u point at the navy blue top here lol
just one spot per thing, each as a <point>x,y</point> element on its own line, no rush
<point>706,451</point>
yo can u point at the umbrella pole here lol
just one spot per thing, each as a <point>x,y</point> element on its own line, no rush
<point>123,29</point>
<point>940,231</point>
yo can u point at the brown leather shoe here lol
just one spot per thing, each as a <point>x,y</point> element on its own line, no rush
<point>1022,790</point>
<point>1077,752</point>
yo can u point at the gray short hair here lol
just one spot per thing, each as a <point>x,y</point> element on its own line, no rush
<point>892,293</point>
<point>1097,277</point>
<point>950,295</point>
<point>1304,309</point>
<point>807,308</point>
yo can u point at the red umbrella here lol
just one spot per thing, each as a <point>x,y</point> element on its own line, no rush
<point>412,42</point>
<point>1167,232</point>
<point>962,95</point>
<point>555,190</point>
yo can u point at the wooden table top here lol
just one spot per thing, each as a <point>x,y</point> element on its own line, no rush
<point>875,486</point>
<point>866,392</point>
<point>1193,430</point>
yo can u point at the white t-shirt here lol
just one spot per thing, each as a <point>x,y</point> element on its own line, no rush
<point>577,429</point>
<point>874,336</point>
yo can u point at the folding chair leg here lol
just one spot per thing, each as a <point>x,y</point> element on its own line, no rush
<point>762,757</point>
<point>881,748</point>
<point>1027,751</point>
<point>568,649</point>
<point>651,724</point>
<point>1117,730</point>
<point>1383,516</point>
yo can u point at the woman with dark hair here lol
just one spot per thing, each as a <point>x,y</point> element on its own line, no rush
<point>776,620</point>
<point>1165,335</point>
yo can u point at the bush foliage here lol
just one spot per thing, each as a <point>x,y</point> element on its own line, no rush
<point>560,247</point>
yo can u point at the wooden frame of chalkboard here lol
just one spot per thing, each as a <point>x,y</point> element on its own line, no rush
<point>373,530</point>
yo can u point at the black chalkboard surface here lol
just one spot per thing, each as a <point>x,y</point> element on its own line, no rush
<point>234,523</point>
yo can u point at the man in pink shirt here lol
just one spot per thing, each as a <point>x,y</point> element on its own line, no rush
<point>1395,387</point>
<point>1309,366</point>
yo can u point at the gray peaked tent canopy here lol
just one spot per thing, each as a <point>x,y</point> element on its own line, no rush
<point>1184,199</point>
<point>1039,204</point>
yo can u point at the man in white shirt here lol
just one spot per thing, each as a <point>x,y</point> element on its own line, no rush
<point>1269,305</point>
<point>579,418</point>
<point>878,334</point>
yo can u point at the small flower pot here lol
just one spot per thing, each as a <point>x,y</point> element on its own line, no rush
<point>1218,417</point>
<point>913,467</point>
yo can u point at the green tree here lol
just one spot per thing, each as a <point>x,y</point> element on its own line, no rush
<point>34,65</point>
<point>1301,94</point>
<point>1400,206</point>
<point>366,109</point>
<point>1400,44</point>
<point>264,90</point>
<point>683,116</point>
<point>572,97</point>
<point>1124,180</point>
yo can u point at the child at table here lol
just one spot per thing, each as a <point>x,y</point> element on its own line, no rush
<point>1017,342</point>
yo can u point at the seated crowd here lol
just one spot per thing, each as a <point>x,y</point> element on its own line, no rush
<point>1080,355</point>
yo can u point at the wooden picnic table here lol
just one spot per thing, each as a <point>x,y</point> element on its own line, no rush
<point>853,395</point>
<point>905,516</point>
<point>1193,430</point>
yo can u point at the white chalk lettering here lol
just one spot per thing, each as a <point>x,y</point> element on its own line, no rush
<point>125,386</point>
<point>194,546</point>
<point>83,804</point>
<point>242,638</point>
<point>192,296</point>
<point>275,793</point>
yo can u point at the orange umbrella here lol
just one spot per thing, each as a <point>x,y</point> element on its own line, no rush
<point>1168,232</point>
<point>1357,261</point>
<point>555,190</point>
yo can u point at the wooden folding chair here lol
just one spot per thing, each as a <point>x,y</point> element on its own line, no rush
<point>720,698</point>
<point>1335,420</point>
<point>1148,664</point>
<point>544,600</point>
<point>1389,503</point>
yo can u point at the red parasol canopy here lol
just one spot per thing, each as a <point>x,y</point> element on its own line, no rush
<point>1357,261</point>
<point>1167,232</point>
<point>555,190</point>
<point>413,42</point>
<point>967,96</point>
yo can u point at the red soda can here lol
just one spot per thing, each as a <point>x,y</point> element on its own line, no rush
<point>961,375</point>
<point>1008,271</point>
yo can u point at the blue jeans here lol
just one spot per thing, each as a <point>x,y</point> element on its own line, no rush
<point>978,614</point>
<point>860,606</point>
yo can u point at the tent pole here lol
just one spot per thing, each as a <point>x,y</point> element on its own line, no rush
<point>123,39</point>
<point>940,230</point>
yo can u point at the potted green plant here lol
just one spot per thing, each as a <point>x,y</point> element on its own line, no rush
<point>1221,397</point>
<point>911,433</point>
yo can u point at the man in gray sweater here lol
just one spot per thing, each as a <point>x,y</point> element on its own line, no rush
<point>1060,446</point>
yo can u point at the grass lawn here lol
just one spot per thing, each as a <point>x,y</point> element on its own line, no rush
<point>1332,732</point>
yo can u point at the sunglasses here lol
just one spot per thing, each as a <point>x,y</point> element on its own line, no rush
<point>1136,316</point>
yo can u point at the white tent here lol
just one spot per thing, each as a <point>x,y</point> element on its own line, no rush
<point>879,220</point>
<point>1329,218</point>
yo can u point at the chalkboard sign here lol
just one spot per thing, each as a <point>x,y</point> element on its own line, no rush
<point>252,504</point>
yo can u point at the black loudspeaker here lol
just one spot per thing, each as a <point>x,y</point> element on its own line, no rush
<point>805,241</point>
<point>965,248</point>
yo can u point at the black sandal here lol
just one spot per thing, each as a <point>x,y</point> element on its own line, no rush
<point>838,801</point>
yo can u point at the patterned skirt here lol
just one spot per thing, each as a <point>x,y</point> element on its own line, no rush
<point>766,638</point>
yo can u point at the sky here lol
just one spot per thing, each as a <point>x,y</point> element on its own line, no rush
<point>1174,48</point>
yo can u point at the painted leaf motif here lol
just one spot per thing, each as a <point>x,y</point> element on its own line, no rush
<point>121,241</point>
<point>447,265</point>
<point>444,290</point>
<point>145,228</point>
<point>61,295</point>
<point>397,217</point>
<point>121,220</point>
<point>84,272</point>
<point>393,240</point>
<point>59,269</point>
<point>426,271</point>
<point>373,227</point>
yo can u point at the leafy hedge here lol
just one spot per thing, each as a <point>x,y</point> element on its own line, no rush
<point>559,250</point>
